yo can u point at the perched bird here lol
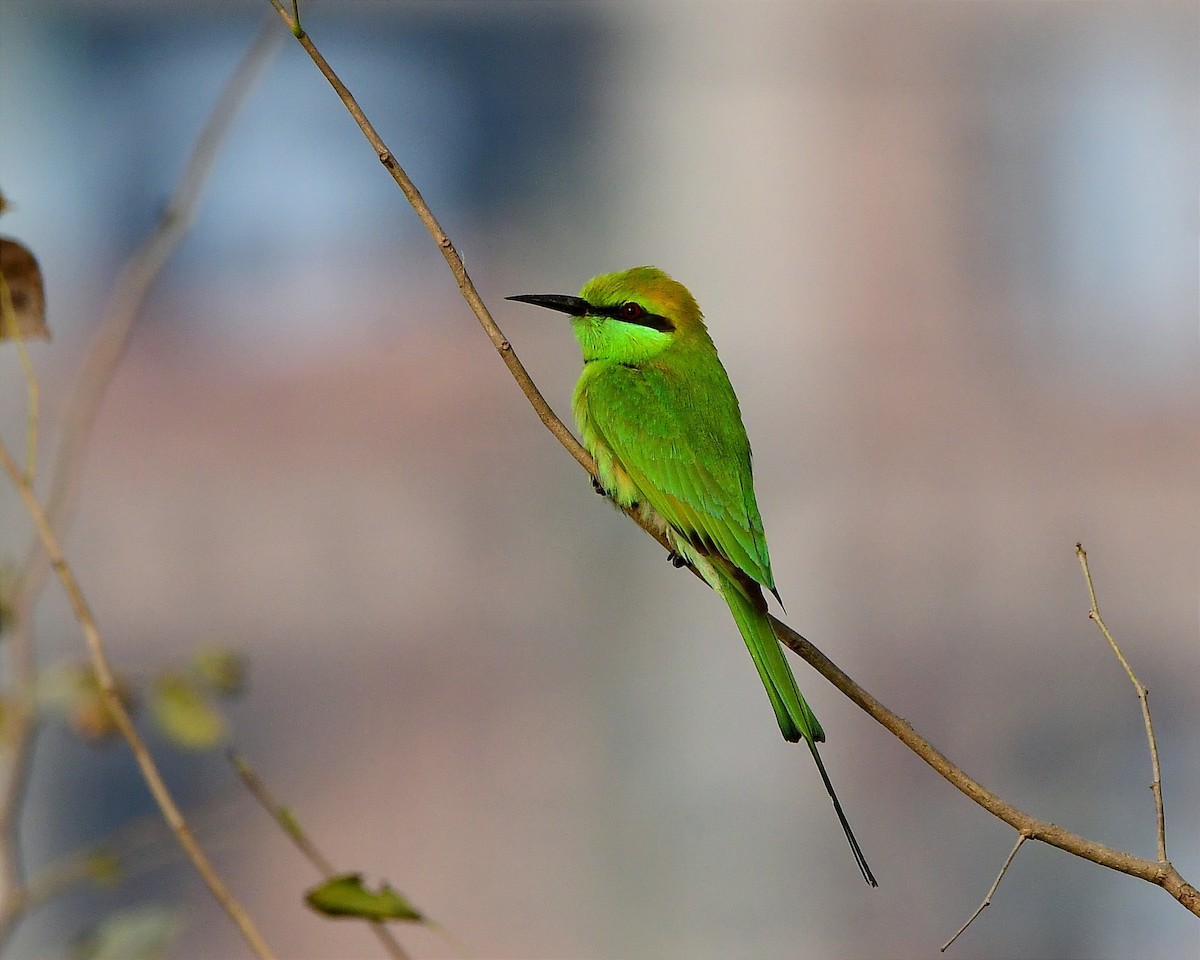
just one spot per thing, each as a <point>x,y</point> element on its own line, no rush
<point>657,413</point>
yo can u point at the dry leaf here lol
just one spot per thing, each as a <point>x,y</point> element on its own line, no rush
<point>23,278</point>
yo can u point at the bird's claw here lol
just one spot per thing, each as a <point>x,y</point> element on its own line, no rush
<point>676,560</point>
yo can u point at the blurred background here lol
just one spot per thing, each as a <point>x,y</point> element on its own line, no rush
<point>948,252</point>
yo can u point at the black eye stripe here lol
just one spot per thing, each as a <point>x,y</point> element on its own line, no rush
<point>651,320</point>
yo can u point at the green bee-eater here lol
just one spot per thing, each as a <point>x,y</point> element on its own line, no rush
<point>657,413</point>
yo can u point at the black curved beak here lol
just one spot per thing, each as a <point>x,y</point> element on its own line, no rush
<point>575,306</point>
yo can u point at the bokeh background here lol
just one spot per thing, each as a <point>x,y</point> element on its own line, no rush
<point>948,252</point>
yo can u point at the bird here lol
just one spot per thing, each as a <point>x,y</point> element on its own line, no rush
<point>656,411</point>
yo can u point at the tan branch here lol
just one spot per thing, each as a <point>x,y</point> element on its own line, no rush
<point>1162,874</point>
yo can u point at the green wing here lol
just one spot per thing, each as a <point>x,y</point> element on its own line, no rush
<point>679,436</point>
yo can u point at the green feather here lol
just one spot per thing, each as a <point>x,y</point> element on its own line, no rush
<point>795,718</point>
<point>689,460</point>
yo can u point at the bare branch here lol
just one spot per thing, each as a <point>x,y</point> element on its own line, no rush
<point>1161,873</point>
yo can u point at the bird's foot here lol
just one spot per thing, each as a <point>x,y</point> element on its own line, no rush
<point>676,560</point>
<point>599,487</point>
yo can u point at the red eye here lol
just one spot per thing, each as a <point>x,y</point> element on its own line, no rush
<point>630,311</point>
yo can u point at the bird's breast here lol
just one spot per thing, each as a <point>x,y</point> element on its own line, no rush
<point>594,419</point>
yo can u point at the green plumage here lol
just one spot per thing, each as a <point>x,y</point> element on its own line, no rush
<point>657,412</point>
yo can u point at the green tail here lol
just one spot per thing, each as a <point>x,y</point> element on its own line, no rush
<point>795,718</point>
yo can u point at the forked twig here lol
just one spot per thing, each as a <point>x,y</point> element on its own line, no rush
<point>1161,873</point>
<point>1143,696</point>
<point>1156,783</point>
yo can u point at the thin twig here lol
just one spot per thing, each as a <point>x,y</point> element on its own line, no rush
<point>451,255</point>
<point>1021,838</point>
<point>281,815</point>
<point>1143,696</point>
<point>22,726</point>
<point>102,862</point>
<point>1161,873</point>
<point>291,826</point>
<point>104,674</point>
<point>131,850</point>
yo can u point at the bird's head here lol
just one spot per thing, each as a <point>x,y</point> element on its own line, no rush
<point>628,317</point>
